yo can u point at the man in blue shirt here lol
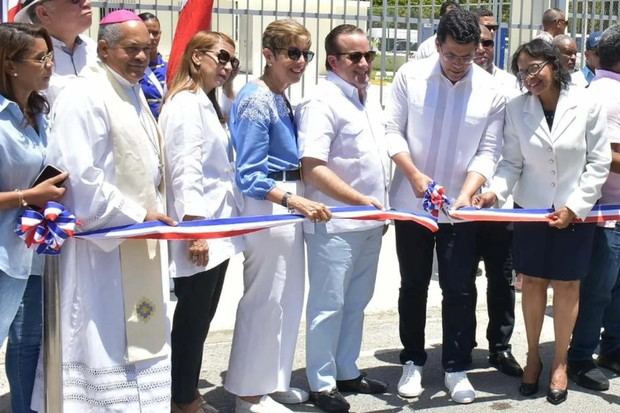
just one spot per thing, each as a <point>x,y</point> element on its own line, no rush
<point>154,81</point>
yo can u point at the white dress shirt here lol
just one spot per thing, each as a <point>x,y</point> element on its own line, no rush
<point>69,63</point>
<point>200,173</point>
<point>448,129</point>
<point>507,83</point>
<point>578,79</point>
<point>605,88</point>
<point>349,136</point>
<point>562,167</point>
<point>427,48</point>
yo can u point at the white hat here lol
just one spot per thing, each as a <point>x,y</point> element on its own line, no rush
<point>22,14</point>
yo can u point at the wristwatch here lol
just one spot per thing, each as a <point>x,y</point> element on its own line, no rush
<point>284,201</point>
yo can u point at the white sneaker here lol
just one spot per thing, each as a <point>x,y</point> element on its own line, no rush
<point>265,405</point>
<point>293,395</point>
<point>410,383</point>
<point>461,390</point>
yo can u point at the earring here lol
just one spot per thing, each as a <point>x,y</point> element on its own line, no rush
<point>14,74</point>
<point>268,64</point>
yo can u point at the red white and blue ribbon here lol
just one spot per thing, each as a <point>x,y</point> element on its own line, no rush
<point>598,214</point>
<point>435,200</point>
<point>229,227</point>
<point>47,230</point>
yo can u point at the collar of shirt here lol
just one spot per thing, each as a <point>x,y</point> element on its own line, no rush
<point>79,42</point>
<point>124,82</point>
<point>350,91</point>
<point>12,108</point>
<point>437,71</point>
<point>602,73</point>
<point>159,62</point>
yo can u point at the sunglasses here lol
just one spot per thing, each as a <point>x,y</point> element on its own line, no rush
<point>295,53</point>
<point>492,27</point>
<point>488,43</point>
<point>222,57</point>
<point>532,70</point>
<point>356,57</point>
<point>46,59</point>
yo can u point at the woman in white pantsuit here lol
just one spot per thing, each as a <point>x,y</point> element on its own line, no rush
<point>268,175</point>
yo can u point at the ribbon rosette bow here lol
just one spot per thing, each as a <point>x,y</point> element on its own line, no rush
<point>435,200</point>
<point>49,230</point>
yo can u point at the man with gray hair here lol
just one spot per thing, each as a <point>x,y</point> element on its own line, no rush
<point>115,334</point>
<point>567,47</point>
<point>64,20</point>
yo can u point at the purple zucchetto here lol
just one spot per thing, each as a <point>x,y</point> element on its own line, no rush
<point>119,16</point>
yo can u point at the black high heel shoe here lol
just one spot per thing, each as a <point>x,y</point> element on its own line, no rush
<point>557,396</point>
<point>530,389</point>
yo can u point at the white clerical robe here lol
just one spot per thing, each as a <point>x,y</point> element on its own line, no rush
<point>97,375</point>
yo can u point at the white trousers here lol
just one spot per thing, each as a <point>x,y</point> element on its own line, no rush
<point>269,312</point>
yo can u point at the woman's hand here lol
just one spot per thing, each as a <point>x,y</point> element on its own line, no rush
<point>45,191</point>
<point>485,200</point>
<point>199,252</point>
<point>314,211</point>
<point>561,218</point>
<point>419,183</point>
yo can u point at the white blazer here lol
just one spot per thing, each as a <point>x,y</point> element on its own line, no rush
<point>200,173</point>
<point>566,166</point>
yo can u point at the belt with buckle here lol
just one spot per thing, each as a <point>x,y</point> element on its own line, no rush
<point>293,175</point>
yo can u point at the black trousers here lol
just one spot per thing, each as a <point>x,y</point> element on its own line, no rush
<point>197,299</point>
<point>456,255</point>
<point>494,247</point>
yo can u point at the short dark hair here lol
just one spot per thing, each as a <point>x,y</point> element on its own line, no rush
<point>444,7</point>
<point>483,12</point>
<point>146,16</point>
<point>551,15</point>
<point>541,49</point>
<point>609,48</point>
<point>461,25</point>
<point>331,40</point>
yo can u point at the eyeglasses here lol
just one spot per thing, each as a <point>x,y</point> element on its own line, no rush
<point>562,21</point>
<point>295,53</point>
<point>452,58</point>
<point>46,59</point>
<point>222,57</point>
<point>532,70</point>
<point>356,57</point>
<point>488,43</point>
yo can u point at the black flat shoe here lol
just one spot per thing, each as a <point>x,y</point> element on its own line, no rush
<point>330,401</point>
<point>505,362</point>
<point>530,389</point>
<point>557,396</point>
<point>362,385</point>
<point>587,374</point>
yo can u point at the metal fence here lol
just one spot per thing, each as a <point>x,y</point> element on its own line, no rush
<point>395,27</point>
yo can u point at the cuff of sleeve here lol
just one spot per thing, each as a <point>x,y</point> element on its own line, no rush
<point>483,166</point>
<point>133,211</point>
<point>581,209</point>
<point>396,144</point>
<point>190,202</point>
